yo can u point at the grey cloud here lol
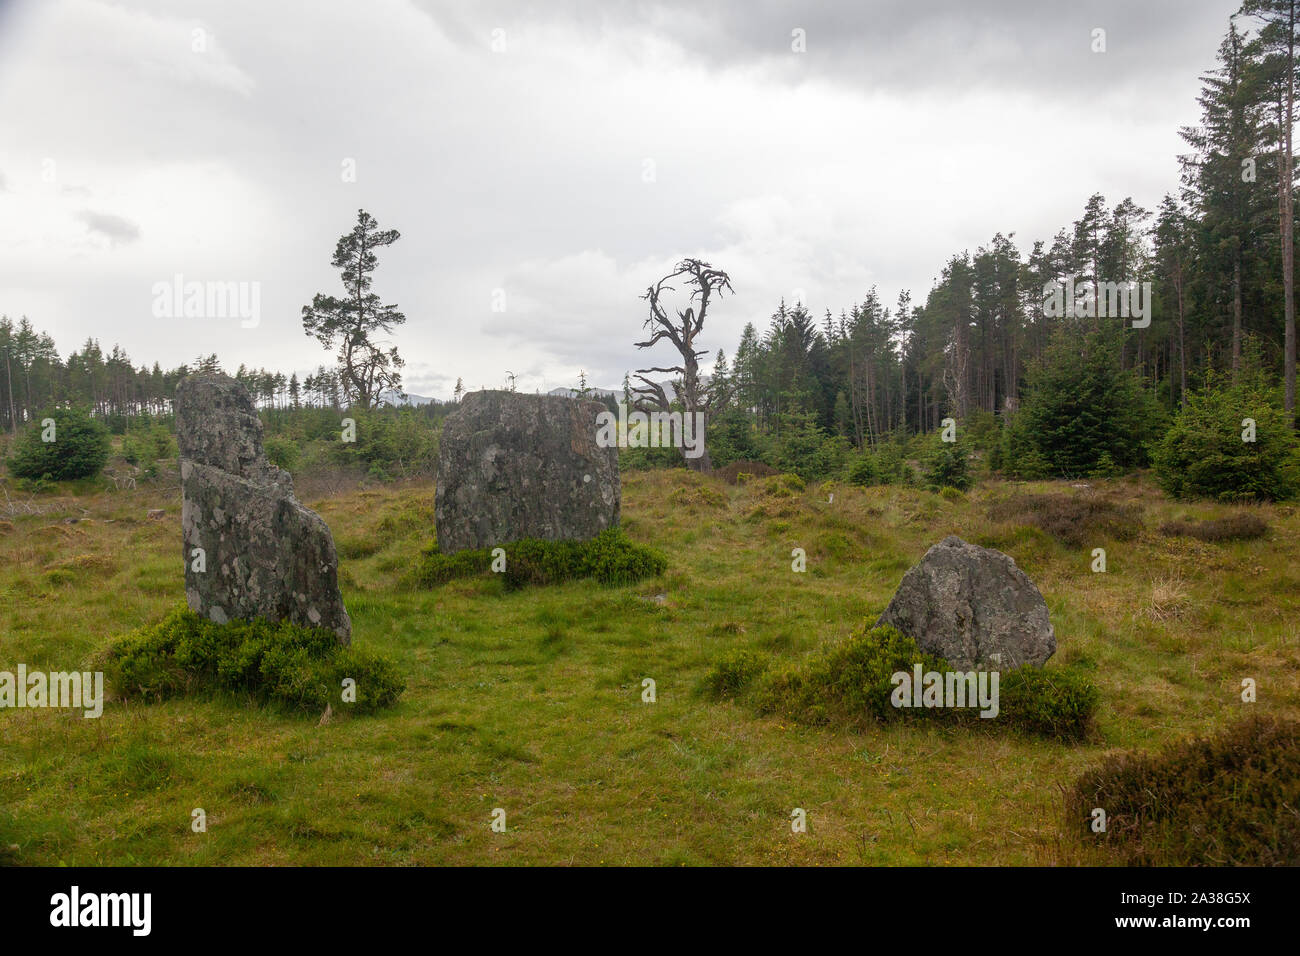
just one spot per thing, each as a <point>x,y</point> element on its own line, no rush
<point>906,133</point>
<point>893,44</point>
<point>117,229</point>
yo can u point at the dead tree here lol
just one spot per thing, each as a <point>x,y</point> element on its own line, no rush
<point>692,396</point>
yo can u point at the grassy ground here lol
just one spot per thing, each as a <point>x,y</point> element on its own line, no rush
<point>531,701</point>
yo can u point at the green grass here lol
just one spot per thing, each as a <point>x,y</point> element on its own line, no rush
<point>531,700</point>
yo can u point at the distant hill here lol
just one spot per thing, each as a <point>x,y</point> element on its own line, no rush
<point>594,392</point>
<point>392,398</point>
<point>617,393</point>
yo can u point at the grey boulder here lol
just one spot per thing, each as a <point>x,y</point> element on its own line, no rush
<point>514,466</point>
<point>973,607</point>
<point>262,554</point>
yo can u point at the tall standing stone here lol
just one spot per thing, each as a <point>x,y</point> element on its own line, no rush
<point>514,466</point>
<point>973,607</point>
<point>263,555</point>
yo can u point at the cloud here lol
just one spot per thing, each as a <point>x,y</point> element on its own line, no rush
<point>116,229</point>
<point>886,44</point>
<point>907,133</point>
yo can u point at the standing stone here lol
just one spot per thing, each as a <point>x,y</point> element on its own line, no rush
<point>514,466</point>
<point>973,607</point>
<point>264,554</point>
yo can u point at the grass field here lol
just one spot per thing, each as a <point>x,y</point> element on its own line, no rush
<point>531,701</point>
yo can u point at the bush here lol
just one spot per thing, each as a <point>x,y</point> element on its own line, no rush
<point>851,685</point>
<point>1074,520</point>
<point>1081,405</point>
<point>1203,454</point>
<point>782,486</point>
<point>390,443</point>
<point>79,450</point>
<point>733,438</point>
<point>612,560</point>
<point>982,430</point>
<point>144,446</point>
<point>295,667</point>
<point>732,473</point>
<point>863,471</point>
<point>892,467</point>
<point>1242,526</point>
<point>806,450</point>
<point>436,568</point>
<point>1058,703</point>
<point>283,452</point>
<point>948,466</point>
<point>847,685</point>
<point>609,558</point>
<point>734,673</point>
<point>1224,800</point>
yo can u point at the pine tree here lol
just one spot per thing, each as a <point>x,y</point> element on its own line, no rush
<point>1220,183</point>
<point>1280,21</point>
<point>354,321</point>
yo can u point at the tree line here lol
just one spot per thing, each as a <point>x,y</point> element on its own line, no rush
<point>1216,256</point>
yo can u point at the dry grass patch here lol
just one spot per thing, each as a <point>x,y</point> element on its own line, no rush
<point>1168,600</point>
<point>1075,519</point>
<point>1241,526</point>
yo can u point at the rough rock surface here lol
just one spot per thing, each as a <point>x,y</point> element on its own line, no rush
<point>265,555</point>
<point>974,607</point>
<point>514,466</point>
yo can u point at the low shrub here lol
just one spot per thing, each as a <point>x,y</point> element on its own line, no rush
<point>885,465</point>
<point>283,452</point>
<point>734,673</point>
<point>78,447</point>
<point>1208,452</point>
<point>358,547</point>
<point>948,466</point>
<point>1242,526</point>
<point>851,685</point>
<point>609,557</point>
<point>848,684</point>
<point>733,472</point>
<point>299,668</point>
<point>437,568</point>
<point>1074,520</point>
<point>863,471</point>
<point>144,446</point>
<point>1228,799</point>
<point>1058,702</point>
<point>782,486</point>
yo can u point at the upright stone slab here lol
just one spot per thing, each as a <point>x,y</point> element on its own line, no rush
<point>973,607</point>
<point>514,466</point>
<point>264,554</point>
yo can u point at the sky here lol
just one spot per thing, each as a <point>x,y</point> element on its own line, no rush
<point>545,163</point>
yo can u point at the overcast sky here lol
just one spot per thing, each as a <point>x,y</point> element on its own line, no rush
<point>563,153</point>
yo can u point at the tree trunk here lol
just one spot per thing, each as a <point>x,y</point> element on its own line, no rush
<point>1182,351</point>
<point>1288,263</point>
<point>1236,315</point>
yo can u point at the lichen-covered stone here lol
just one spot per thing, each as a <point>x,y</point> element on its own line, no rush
<point>264,555</point>
<point>514,466</point>
<point>973,607</point>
